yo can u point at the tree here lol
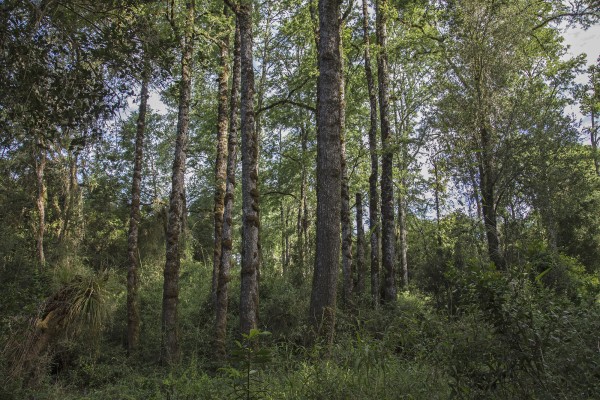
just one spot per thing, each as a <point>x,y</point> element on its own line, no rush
<point>374,226</point>
<point>324,286</point>
<point>346,223</point>
<point>221,161</point>
<point>170,340</point>
<point>133,311</point>
<point>250,193</point>
<point>222,294</point>
<point>387,185</point>
<point>360,247</point>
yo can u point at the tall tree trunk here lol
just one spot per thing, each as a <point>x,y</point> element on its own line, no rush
<point>402,207</point>
<point>593,129</point>
<point>39,155</point>
<point>302,218</point>
<point>488,201</point>
<point>360,247</point>
<point>250,194</point>
<point>221,161</point>
<point>170,341</point>
<point>374,226</point>
<point>133,307</point>
<point>387,185</point>
<point>227,236</point>
<point>346,223</point>
<point>71,192</point>
<point>324,286</point>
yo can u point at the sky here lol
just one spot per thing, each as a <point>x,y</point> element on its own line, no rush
<point>587,42</point>
<point>581,41</point>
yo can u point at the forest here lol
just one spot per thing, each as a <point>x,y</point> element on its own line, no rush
<point>298,199</point>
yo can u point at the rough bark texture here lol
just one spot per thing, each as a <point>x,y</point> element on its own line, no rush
<point>221,161</point>
<point>71,194</point>
<point>345,194</point>
<point>170,341</point>
<point>593,129</point>
<point>360,247</point>
<point>374,226</point>
<point>40,166</point>
<point>133,307</point>
<point>250,194</point>
<point>488,203</point>
<point>387,185</point>
<point>403,233</point>
<point>222,295</point>
<point>324,286</point>
<point>302,218</point>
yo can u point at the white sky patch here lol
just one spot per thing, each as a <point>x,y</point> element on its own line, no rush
<point>581,41</point>
<point>586,42</point>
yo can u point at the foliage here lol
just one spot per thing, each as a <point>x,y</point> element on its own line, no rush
<point>245,380</point>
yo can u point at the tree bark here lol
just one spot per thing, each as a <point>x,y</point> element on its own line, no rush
<point>133,307</point>
<point>488,201</point>
<point>40,166</point>
<point>170,341</point>
<point>360,247</point>
<point>593,129</point>
<point>387,185</point>
<point>221,161</point>
<point>374,226</point>
<point>250,194</point>
<point>324,286</point>
<point>402,206</point>
<point>346,223</point>
<point>302,218</point>
<point>222,294</point>
<point>70,193</point>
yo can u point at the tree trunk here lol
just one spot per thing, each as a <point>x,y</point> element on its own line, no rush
<point>133,307</point>
<point>345,193</point>
<point>221,161</point>
<point>324,286</point>
<point>593,129</point>
<point>402,206</point>
<point>387,185</point>
<point>40,166</point>
<point>302,218</point>
<point>170,341</point>
<point>360,247</point>
<point>488,202</point>
<point>374,226</point>
<point>250,194</point>
<point>70,193</point>
<point>222,294</point>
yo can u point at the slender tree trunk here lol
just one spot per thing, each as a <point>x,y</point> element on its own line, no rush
<point>360,247</point>
<point>170,340</point>
<point>593,130</point>
<point>402,135</point>
<point>302,219</point>
<point>387,185</point>
<point>324,286</point>
<point>69,196</point>
<point>436,192</point>
<point>221,161</point>
<point>133,307</point>
<point>402,207</point>
<point>227,237</point>
<point>374,226</point>
<point>250,194</point>
<point>40,166</point>
<point>346,223</point>
<point>488,203</point>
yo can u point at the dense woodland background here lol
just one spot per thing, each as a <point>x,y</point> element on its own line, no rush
<point>337,200</point>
